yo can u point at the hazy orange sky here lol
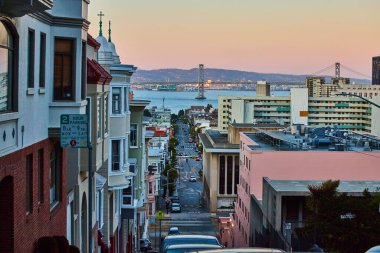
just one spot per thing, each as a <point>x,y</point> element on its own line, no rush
<point>278,36</point>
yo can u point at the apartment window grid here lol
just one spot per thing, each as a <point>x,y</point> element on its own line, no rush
<point>228,176</point>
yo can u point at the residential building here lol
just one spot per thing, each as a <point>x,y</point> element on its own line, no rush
<point>262,89</point>
<point>161,116</point>
<point>117,172</point>
<point>134,196</point>
<point>308,154</point>
<point>36,88</point>
<point>348,113</point>
<point>376,70</point>
<point>221,164</point>
<point>283,207</point>
<point>367,91</point>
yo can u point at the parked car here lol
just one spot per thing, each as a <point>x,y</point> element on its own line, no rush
<point>243,250</point>
<point>174,199</point>
<point>193,179</point>
<point>182,248</point>
<point>145,245</point>
<point>173,231</point>
<point>375,249</point>
<point>188,239</point>
<point>176,208</point>
<point>197,159</point>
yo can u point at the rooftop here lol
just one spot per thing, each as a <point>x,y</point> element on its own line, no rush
<point>213,139</point>
<point>301,185</point>
<point>316,139</point>
<point>254,125</point>
<point>139,102</point>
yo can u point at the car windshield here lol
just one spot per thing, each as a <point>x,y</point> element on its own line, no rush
<point>175,204</point>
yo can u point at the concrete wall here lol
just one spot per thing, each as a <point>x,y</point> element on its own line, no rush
<point>299,105</point>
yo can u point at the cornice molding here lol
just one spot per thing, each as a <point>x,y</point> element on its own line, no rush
<point>49,19</point>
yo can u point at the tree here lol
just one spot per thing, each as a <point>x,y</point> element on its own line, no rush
<point>147,113</point>
<point>208,107</point>
<point>181,113</point>
<point>341,223</point>
<point>173,118</point>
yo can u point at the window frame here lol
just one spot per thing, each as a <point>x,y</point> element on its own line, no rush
<point>73,69</point>
<point>42,72</point>
<point>120,101</point>
<point>136,136</point>
<point>40,172</point>
<point>57,162</point>
<point>12,86</point>
<point>31,57</point>
<point>115,156</point>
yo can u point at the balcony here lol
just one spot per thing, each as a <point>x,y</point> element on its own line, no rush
<point>18,8</point>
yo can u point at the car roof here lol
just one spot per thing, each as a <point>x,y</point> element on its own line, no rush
<point>244,250</point>
<point>181,246</point>
<point>173,228</point>
<point>190,236</point>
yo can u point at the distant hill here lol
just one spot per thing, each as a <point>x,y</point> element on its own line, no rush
<point>191,75</point>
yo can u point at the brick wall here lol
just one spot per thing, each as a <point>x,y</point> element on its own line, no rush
<point>42,221</point>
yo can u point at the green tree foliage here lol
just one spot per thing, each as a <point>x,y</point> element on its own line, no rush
<point>173,118</point>
<point>147,113</point>
<point>335,231</point>
<point>209,106</point>
<point>181,113</point>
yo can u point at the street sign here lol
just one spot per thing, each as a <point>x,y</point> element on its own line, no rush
<point>160,215</point>
<point>74,129</point>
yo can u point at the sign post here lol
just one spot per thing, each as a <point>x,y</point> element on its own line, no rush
<point>159,216</point>
<point>75,134</point>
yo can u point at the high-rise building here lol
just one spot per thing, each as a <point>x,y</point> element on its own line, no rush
<point>376,70</point>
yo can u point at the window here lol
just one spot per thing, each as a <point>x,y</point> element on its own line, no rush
<point>222,174</point>
<point>99,118</point>
<point>31,49</point>
<point>133,136</point>
<point>55,175</point>
<point>105,108</point>
<point>42,59</point>
<point>229,174</point>
<point>236,173</point>
<point>116,100</point>
<point>150,191</point>
<point>8,75</point>
<point>115,155</point>
<point>99,207</point>
<point>63,69</point>
<point>127,196</point>
<point>132,168</point>
<point>40,176</point>
<point>29,183</point>
<point>126,100</point>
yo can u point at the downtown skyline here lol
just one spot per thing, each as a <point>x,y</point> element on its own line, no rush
<point>294,37</point>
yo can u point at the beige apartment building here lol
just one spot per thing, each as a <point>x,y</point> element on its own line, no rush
<point>300,108</point>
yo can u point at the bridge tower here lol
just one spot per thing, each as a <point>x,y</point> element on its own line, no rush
<point>337,69</point>
<point>201,82</point>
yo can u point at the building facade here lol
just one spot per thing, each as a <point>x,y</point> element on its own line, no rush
<point>299,108</point>
<point>376,70</point>
<point>42,78</point>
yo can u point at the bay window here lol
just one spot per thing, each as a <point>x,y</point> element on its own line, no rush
<point>8,63</point>
<point>115,149</point>
<point>63,69</point>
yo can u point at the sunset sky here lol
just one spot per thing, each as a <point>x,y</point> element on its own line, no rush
<point>277,36</point>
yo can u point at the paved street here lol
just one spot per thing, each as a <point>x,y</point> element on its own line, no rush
<point>193,219</point>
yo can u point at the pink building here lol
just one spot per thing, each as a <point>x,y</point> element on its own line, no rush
<point>282,156</point>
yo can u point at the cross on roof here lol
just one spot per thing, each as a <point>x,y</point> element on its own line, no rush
<point>109,31</point>
<point>101,14</point>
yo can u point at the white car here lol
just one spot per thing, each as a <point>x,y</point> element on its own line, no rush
<point>193,179</point>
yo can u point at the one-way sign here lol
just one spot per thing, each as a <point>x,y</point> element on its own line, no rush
<point>74,129</point>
